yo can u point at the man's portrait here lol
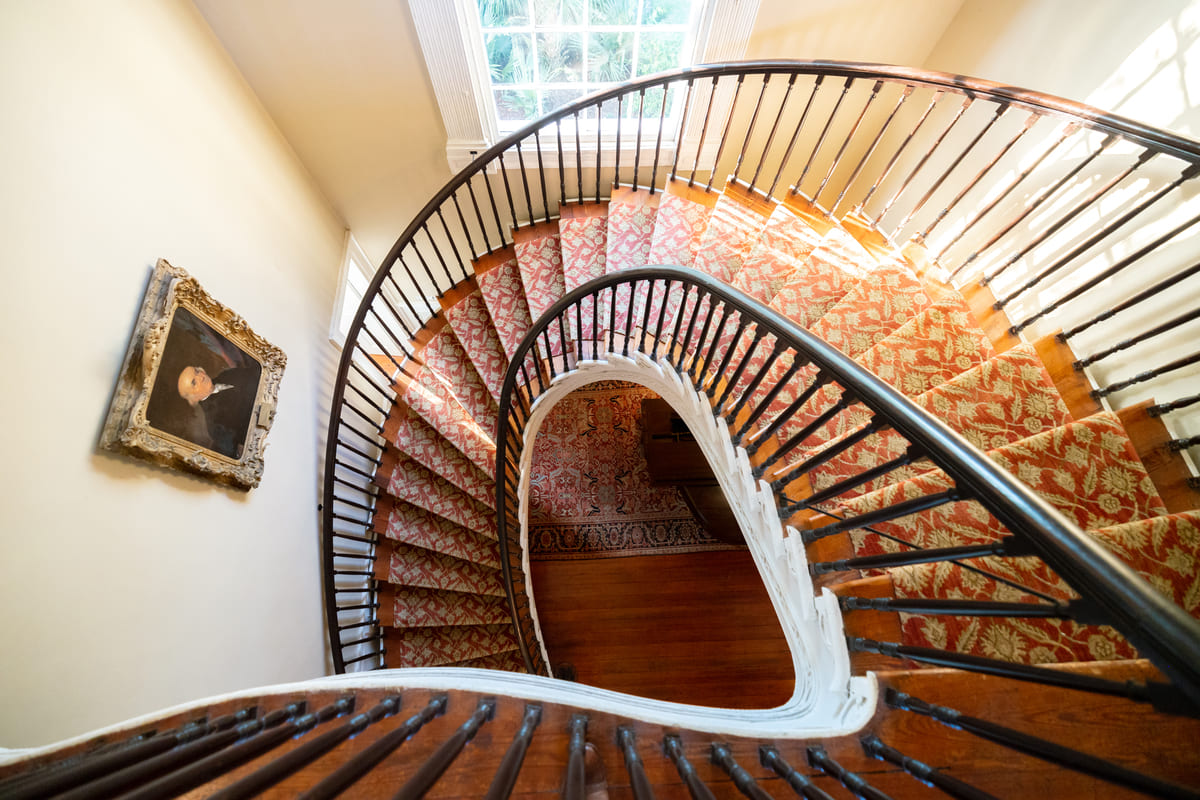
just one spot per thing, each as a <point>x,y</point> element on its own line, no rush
<point>205,389</point>
<point>198,388</point>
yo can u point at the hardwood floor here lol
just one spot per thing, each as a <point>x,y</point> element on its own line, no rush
<point>694,628</point>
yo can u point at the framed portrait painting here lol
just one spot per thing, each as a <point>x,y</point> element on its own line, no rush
<point>198,387</point>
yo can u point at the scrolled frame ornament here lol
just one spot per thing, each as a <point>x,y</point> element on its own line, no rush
<point>142,422</point>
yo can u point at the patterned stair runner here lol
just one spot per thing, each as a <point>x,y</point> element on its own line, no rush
<point>442,592</point>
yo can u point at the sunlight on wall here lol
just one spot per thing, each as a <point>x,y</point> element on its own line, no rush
<point>1159,81</point>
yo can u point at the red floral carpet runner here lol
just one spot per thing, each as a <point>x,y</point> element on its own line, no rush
<point>590,488</point>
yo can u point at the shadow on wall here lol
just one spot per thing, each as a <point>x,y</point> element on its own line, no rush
<point>1160,79</point>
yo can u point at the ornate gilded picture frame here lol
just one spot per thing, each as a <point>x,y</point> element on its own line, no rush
<point>198,388</point>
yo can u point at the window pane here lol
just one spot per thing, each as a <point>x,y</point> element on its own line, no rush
<point>610,57</point>
<point>558,12</point>
<point>612,12</point>
<point>666,12</point>
<point>560,57</point>
<point>510,57</point>
<point>658,52</point>
<point>554,99</point>
<point>516,104</point>
<point>502,13</point>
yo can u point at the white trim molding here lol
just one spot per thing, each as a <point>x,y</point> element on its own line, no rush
<point>452,43</point>
<point>826,697</point>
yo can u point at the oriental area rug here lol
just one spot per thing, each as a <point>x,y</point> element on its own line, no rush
<point>591,495</point>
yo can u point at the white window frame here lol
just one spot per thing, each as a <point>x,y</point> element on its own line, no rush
<point>452,43</point>
<point>355,264</point>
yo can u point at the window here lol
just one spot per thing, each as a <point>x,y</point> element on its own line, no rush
<point>355,278</point>
<point>496,64</point>
<point>543,54</point>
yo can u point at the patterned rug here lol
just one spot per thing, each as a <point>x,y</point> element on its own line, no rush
<point>590,489</point>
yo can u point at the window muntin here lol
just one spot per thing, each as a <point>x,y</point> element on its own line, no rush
<point>543,54</point>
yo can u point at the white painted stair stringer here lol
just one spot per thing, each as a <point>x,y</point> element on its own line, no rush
<point>826,697</point>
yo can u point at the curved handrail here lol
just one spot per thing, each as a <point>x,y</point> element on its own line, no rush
<point>1162,631</point>
<point>410,304</point>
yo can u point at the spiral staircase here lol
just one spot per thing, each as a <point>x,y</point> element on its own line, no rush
<point>883,301</point>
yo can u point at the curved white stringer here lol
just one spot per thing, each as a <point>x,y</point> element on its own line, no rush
<point>826,698</point>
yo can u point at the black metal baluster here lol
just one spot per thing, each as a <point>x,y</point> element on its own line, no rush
<point>637,151</point>
<point>687,107</point>
<point>1096,238</point>
<point>812,157</point>
<point>766,434</point>
<point>599,144</point>
<point>579,160</point>
<point>759,333</point>
<point>787,153</point>
<point>1165,408</point>
<point>722,756</point>
<point>662,317</point>
<point>512,209</point>
<point>912,454</point>
<point>114,768</point>
<point>462,221</point>
<point>367,759</point>
<point>1089,203</point>
<point>737,165</point>
<point>458,259</point>
<point>1068,131</point>
<point>617,163</point>
<point>852,781</point>
<point>846,400</point>
<point>562,170</point>
<point>770,758</point>
<point>787,93</point>
<point>1031,206</point>
<point>487,240</point>
<point>662,118</point>
<point>575,779</point>
<point>923,772</point>
<point>711,385</point>
<point>712,346</point>
<point>510,766</point>
<point>1125,344</point>
<point>883,176</point>
<point>537,144</point>
<point>1039,748</point>
<point>1175,280</point>
<point>837,159</point>
<point>1098,279</point>
<point>525,184</point>
<point>712,93</point>
<point>673,748</point>
<point>730,413</point>
<point>725,134</point>
<point>1163,696</point>
<point>900,509</point>
<point>275,730</point>
<point>1142,377</point>
<point>794,471</point>
<point>870,151</point>
<point>937,184</point>
<point>639,784</point>
<point>977,180</point>
<point>429,273</point>
<point>429,772</point>
<point>912,174</point>
<point>765,402</point>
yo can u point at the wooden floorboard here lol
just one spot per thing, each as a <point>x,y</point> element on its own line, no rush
<point>693,628</point>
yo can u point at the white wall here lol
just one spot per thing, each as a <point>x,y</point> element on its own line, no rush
<point>1138,59</point>
<point>129,136</point>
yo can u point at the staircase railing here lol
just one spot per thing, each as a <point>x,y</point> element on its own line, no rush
<point>1073,220</point>
<point>711,334</point>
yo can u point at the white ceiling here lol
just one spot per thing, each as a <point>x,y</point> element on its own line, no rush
<point>347,86</point>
